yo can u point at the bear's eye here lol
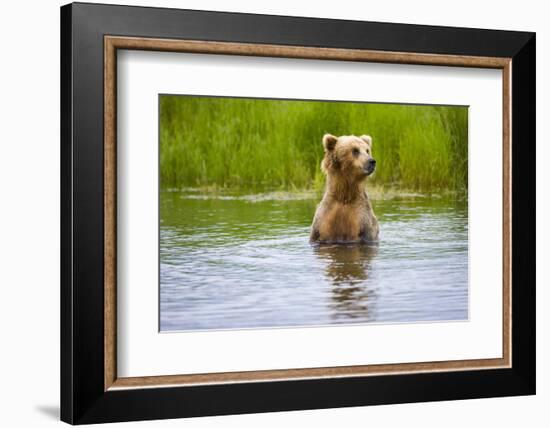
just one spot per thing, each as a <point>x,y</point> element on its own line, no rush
<point>355,152</point>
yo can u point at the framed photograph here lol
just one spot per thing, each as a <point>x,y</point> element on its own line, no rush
<point>266,213</point>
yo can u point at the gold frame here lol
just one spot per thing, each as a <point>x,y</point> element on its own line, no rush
<point>112,43</point>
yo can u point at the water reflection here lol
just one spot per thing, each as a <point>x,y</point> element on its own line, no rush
<point>347,269</point>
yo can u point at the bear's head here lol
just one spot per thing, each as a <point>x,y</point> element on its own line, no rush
<point>348,156</point>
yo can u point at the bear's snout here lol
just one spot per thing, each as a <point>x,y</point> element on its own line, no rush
<point>370,165</point>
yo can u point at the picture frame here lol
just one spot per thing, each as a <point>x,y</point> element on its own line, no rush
<point>91,390</point>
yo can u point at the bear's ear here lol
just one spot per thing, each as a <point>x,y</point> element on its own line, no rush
<point>329,141</point>
<point>367,139</point>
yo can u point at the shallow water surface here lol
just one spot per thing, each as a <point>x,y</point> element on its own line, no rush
<point>245,261</point>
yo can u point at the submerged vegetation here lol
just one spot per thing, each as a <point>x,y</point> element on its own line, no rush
<point>276,144</point>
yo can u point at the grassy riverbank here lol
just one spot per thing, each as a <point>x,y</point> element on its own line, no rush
<point>250,143</point>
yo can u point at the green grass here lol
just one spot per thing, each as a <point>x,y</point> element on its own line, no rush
<point>252,143</point>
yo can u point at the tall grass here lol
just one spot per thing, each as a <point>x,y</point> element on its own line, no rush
<point>232,142</point>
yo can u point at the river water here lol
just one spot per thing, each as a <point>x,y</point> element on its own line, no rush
<point>230,261</point>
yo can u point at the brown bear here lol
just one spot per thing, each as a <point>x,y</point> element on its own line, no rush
<point>345,213</point>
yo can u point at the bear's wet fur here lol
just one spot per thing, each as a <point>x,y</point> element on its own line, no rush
<point>345,213</point>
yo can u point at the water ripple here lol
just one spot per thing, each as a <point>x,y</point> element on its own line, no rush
<point>230,263</point>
